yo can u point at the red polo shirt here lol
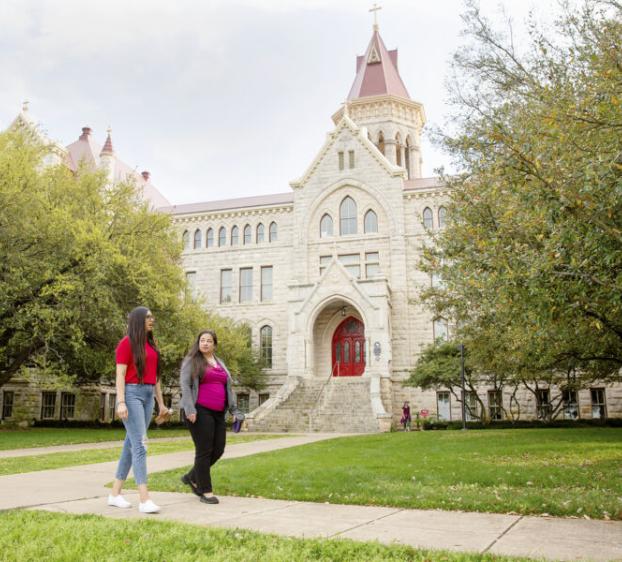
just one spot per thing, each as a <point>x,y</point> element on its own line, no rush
<point>124,357</point>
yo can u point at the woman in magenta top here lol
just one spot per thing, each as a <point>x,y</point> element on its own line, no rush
<point>206,394</point>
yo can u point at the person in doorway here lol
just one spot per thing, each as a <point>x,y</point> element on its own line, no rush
<point>138,367</point>
<point>206,391</point>
<point>406,417</point>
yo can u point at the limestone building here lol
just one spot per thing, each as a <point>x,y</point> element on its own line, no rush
<point>326,275</point>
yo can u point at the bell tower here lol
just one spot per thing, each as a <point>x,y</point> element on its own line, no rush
<point>379,101</point>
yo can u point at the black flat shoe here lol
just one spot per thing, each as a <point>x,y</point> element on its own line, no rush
<point>186,480</point>
<point>208,499</point>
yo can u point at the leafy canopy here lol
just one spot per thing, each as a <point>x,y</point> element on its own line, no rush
<point>77,256</point>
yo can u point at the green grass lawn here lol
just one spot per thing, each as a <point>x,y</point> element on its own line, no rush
<point>32,535</point>
<point>563,472</point>
<point>32,463</point>
<point>48,437</point>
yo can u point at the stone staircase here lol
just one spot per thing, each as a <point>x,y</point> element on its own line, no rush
<point>344,406</point>
<point>302,405</point>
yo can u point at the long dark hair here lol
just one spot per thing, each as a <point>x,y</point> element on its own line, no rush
<point>199,364</point>
<point>138,338</point>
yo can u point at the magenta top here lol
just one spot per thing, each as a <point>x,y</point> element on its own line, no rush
<point>213,389</point>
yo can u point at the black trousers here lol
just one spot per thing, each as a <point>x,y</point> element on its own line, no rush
<point>209,436</point>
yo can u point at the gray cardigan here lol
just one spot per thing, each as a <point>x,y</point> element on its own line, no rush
<point>190,390</point>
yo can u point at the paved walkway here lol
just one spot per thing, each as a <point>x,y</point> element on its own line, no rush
<point>31,451</point>
<point>81,490</point>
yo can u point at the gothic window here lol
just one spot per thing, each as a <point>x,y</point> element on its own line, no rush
<point>428,222</point>
<point>407,157</point>
<point>265,346</point>
<point>381,142</point>
<point>351,159</point>
<point>198,239</point>
<point>235,236</point>
<point>398,149</point>
<point>247,234</point>
<point>210,237</point>
<point>326,226</point>
<point>371,221</point>
<point>272,232</point>
<point>340,157</point>
<point>222,236</point>
<point>260,233</point>
<point>185,240</point>
<point>347,216</point>
<point>442,217</point>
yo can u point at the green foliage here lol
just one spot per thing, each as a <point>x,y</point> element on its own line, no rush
<point>78,255</point>
<point>557,471</point>
<point>531,259</point>
<point>52,536</point>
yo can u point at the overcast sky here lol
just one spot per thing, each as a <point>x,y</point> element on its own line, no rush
<point>217,98</point>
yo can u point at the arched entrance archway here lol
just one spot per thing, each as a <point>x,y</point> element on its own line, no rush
<point>348,348</point>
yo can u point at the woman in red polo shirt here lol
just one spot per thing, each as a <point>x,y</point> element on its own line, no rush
<point>138,367</point>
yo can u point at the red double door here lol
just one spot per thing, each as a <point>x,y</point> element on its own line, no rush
<point>349,348</point>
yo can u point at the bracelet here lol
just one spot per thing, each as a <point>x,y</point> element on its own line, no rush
<point>119,403</point>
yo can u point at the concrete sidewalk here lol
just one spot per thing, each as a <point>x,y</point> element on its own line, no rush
<point>31,451</point>
<point>81,490</point>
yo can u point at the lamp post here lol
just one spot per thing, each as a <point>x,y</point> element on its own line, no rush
<point>461,348</point>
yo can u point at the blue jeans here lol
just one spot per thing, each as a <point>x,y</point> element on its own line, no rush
<point>139,403</point>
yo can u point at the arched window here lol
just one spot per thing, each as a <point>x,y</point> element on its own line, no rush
<point>260,233</point>
<point>222,236</point>
<point>185,240</point>
<point>210,237</point>
<point>272,232</point>
<point>407,157</point>
<point>235,235</point>
<point>442,217</point>
<point>427,218</point>
<point>247,234</point>
<point>398,149</point>
<point>198,238</point>
<point>381,142</point>
<point>347,216</point>
<point>265,346</point>
<point>371,221</point>
<point>326,226</point>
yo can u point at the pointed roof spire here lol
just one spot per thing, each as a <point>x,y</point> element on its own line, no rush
<point>376,71</point>
<point>107,149</point>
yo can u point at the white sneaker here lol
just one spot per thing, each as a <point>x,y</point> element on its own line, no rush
<point>148,507</point>
<point>118,501</point>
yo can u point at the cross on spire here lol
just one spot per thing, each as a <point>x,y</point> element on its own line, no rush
<point>374,10</point>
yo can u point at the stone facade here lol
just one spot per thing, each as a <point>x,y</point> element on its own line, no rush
<point>369,274</point>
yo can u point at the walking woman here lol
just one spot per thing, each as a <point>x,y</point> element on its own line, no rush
<point>138,369</point>
<point>206,392</point>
